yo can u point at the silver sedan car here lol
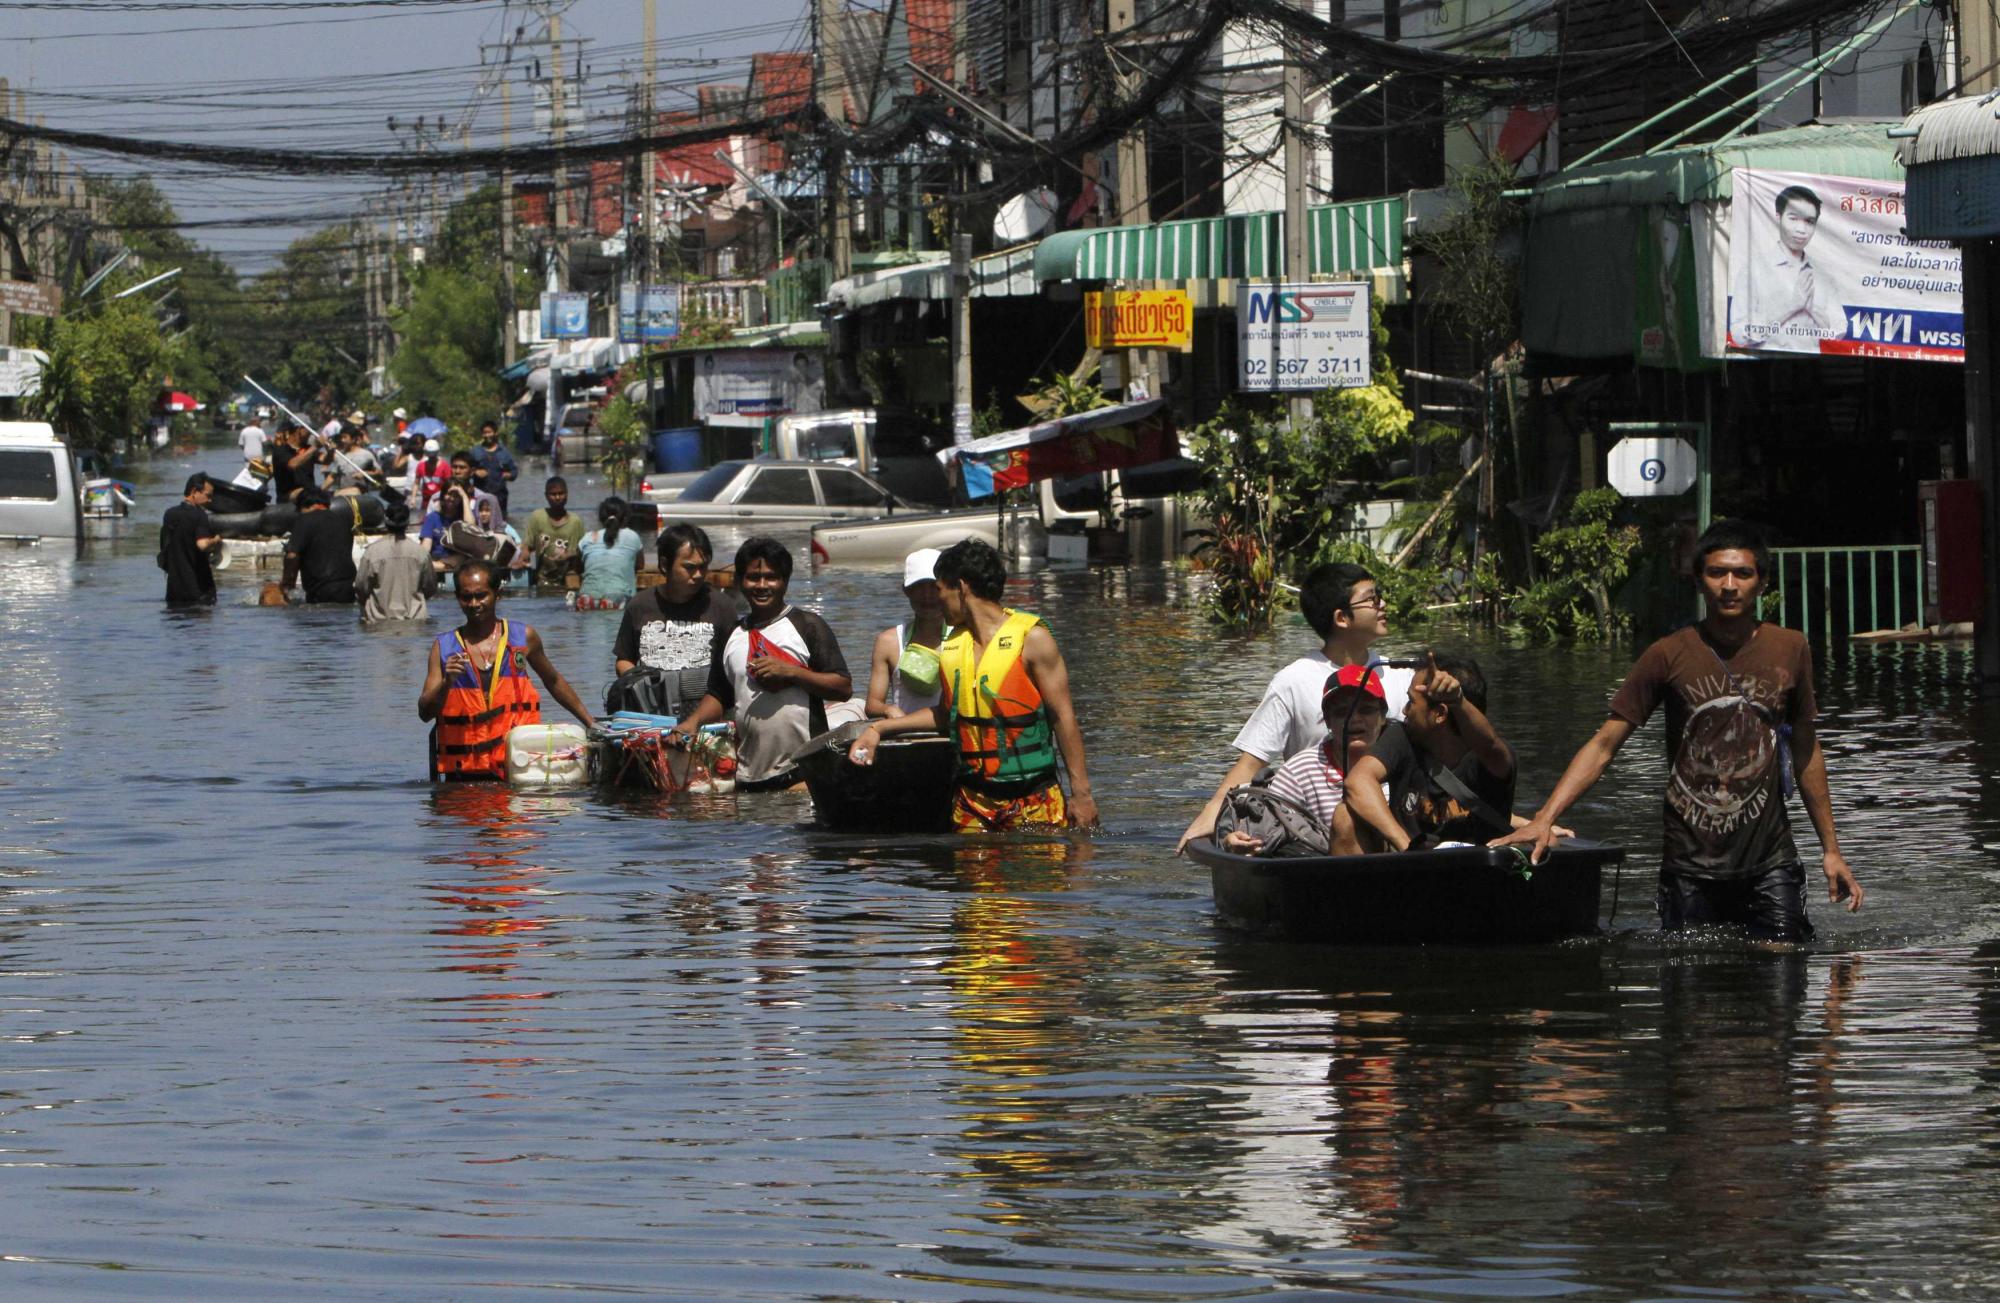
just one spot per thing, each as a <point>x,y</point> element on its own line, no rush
<point>753,493</point>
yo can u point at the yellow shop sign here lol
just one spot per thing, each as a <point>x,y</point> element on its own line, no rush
<point>1139,319</point>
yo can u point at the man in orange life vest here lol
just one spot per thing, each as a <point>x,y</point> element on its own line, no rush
<point>1006,698</point>
<point>477,687</point>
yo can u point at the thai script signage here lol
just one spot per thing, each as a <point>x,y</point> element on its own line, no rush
<point>1302,336</point>
<point>1139,319</point>
<point>1820,264</point>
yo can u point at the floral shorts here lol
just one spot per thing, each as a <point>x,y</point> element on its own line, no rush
<point>598,603</point>
<point>975,811</point>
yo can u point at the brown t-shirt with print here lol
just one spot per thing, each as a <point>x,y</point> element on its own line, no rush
<point>1725,809</point>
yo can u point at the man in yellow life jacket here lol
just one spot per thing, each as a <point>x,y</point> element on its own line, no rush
<point>477,688</point>
<point>1005,699</point>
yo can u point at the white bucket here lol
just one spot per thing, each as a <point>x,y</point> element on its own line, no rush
<point>548,755</point>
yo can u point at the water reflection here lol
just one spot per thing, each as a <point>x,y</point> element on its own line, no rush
<point>277,1013</point>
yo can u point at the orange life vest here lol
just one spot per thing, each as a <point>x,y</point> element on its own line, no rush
<point>1005,744</point>
<point>471,736</point>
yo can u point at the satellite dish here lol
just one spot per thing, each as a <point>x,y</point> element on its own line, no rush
<point>1025,216</point>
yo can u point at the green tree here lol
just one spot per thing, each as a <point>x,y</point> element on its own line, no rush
<point>106,363</point>
<point>211,318</point>
<point>311,315</point>
<point>448,358</point>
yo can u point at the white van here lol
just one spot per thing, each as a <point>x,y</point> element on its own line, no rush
<point>39,498</point>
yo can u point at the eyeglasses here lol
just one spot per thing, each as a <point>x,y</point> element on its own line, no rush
<point>1373,599</point>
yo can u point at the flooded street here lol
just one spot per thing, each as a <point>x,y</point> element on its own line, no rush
<point>282,1019</point>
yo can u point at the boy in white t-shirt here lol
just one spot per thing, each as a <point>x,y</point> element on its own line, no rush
<point>1344,606</point>
<point>1354,709</point>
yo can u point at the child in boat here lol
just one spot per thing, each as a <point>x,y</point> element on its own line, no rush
<point>903,672</point>
<point>1354,708</point>
<point>1343,604</point>
<point>1450,777</point>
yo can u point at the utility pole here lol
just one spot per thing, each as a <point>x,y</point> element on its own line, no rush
<point>649,182</point>
<point>558,130</point>
<point>833,106</point>
<point>508,327</point>
<point>961,335</point>
<point>1297,266</point>
<point>1134,194</point>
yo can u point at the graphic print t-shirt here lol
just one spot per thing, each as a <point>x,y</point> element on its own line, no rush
<point>1725,811</point>
<point>676,639</point>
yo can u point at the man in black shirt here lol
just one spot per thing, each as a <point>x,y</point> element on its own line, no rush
<point>187,536</point>
<point>292,460</point>
<point>320,551</point>
<point>673,626</point>
<point>1449,774</point>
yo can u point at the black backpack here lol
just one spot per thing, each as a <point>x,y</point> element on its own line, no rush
<point>1286,828</point>
<point>641,688</point>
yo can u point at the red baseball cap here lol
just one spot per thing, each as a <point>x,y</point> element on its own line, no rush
<point>1354,676</point>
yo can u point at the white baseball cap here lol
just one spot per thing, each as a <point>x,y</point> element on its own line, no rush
<point>399,414</point>
<point>431,445</point>
<point>920,565</point>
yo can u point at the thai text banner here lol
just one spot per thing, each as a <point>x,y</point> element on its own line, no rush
<point>1819,264</point>
<point>1139,319</point>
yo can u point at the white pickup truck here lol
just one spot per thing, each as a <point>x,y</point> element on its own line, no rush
<point>896,448</point>
<point>1155,522</point>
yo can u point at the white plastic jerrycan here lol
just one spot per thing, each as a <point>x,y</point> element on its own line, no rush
<point>548,755</point>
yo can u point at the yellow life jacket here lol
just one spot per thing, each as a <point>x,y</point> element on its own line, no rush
<point>1005,744</point>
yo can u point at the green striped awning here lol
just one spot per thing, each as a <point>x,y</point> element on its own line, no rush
<point>1351,237</point>
<point>1202,248</point>
<point>1366,235</point>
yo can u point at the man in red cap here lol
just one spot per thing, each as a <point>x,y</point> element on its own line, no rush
<point>1354,708</point>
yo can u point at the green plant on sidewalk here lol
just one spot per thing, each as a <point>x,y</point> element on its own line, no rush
<point>1586,558</point>
<point>624,444</point>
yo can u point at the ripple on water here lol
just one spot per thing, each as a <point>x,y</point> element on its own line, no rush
<point>280,1017</point>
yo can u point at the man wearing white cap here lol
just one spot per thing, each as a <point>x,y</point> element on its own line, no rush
<point>903,673</point>
<point>433,472</point>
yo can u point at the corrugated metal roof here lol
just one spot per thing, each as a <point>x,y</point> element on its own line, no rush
<point>1694,173</point>
<point>1954,128</point>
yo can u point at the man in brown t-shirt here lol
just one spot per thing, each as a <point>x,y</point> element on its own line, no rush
<point>1740,721</point>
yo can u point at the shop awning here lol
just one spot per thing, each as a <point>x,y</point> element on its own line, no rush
<point>1123,434</point>
<point>1009,272</point>
<point>1696,173</point>
<point>1366,235</point>
<point>1953,157</point>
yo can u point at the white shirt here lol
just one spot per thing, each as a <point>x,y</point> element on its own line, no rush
<point>251,437</point>
<point>1288,719</point>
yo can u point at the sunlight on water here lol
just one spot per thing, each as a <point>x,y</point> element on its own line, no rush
<point>279,1017</point>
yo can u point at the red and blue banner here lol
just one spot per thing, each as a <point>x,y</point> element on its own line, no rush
<point>1124,434</point>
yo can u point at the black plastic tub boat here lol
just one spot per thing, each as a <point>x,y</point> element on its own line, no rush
<point>906,790</point>
<point>1469,895</point>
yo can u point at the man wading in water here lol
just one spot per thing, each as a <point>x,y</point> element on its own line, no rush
<point>1006,698</point>
<point>477,688</point>
<point>1740,710</point>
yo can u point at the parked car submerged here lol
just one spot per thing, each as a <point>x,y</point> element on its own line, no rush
<point>39,494</point>
<point>756,492</point>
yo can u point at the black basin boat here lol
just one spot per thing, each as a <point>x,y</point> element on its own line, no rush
<point>906,790</point>
<point>1469,894</point>
<point>228,499</point>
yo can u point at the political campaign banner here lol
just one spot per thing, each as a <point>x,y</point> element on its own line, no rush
<point>1820,265</point>
<point>734,386</point>
<point>648,314</point>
